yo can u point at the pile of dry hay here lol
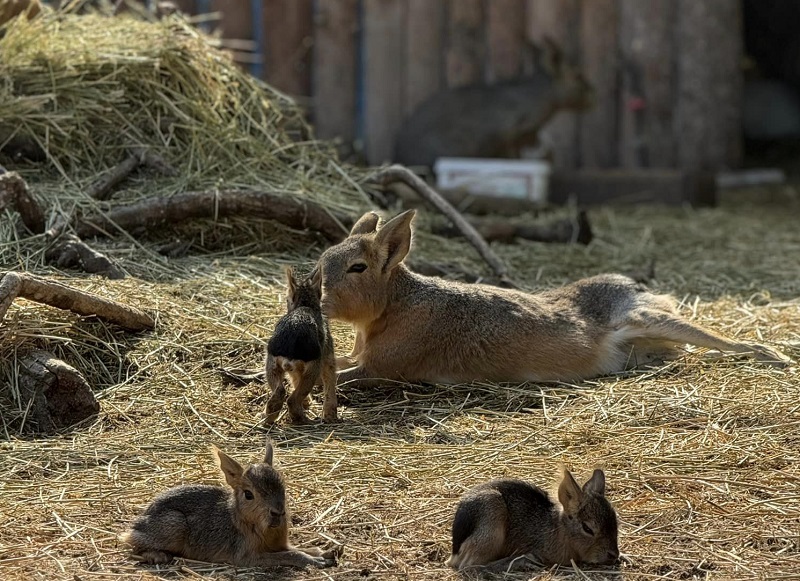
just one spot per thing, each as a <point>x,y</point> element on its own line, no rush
<point>701,455</point>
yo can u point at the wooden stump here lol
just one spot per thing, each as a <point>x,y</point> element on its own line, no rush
<point>56,394</point>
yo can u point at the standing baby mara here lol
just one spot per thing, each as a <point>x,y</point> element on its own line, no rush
<point>245,525</point>
<point>302,347</point>
<point>500,521</point>
<point>416,328</point>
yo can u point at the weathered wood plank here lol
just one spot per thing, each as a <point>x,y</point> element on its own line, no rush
<point>465,42</point>
<point>598,133</point>
<point>647,97</point>
<point>334,75</point>
<point>505,38</point>
<point>709,108</point>
<point>287,47</point>
<point>237,20</point>
<point>558,20</point>
<point>658,186</point>
<point>384,75</point>
<point>424,51</point>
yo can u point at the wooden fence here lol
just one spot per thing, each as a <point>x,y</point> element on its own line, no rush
<point>666,72</point>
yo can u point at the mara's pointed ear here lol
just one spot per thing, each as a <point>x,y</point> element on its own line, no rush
<point>291,283</point>
<point>315,278</point>
<point>268,454</point>
<point>551,58</point>
<point>596,484</point>
<point>394,239</point>
<point>366,224</point>
<point>569,493</point>
<point>230,467</point>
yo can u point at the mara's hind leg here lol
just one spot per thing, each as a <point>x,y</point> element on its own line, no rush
<point>278,396</point>
<point>660,326</point>
<point>479,532</point>
<point>157,539</point>
<point>303,385</point>
<point>330,401</point>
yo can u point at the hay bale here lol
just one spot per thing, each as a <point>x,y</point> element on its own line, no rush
<point>84,90</point>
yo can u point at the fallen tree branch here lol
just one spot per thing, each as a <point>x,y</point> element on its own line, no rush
<point>398,173</point>
<point>15,195</point>
<point>562,230</point>
<point>55,294</point>
<point>155,212</point>
<point>72,252</point>
<point>102,188</point>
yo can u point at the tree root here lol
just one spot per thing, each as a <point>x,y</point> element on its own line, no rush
<point>153,213</point>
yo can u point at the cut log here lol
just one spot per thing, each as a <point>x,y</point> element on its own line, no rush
<point>153,213</point>
<point>54,393</point>
<point>560,231</point>
<point>55,294</point>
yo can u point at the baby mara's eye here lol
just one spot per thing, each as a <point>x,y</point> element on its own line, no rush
<point>587,529</point>
<point>249,495</point>
<point>357,267</point>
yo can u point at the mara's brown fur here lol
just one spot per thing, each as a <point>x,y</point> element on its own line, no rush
<point>246,524</point>
<point>301,348</point>
<point>416,328</point>
<point>499,522</point>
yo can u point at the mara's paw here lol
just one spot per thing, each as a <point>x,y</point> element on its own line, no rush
<point>154,557</point>
<point>770,355</point>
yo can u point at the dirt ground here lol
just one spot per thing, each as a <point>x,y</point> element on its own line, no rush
<point>702,455</point>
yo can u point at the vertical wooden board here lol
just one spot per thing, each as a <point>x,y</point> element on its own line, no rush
<point>186,6</point>
<point>424,51</point>
<point>465,42</point>
<point>647,89</point>
<point>384,75</point>
<point>334,69</point>
<point>709,106</point>
<point>287,45</point>
<point>558,20</point>
<point>505,38</point>
<point>237,19</point>
<point>600,65</point>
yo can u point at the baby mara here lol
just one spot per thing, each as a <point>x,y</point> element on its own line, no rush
<point>416,328</point>
<point>302,348</point>
<point>502,524</point>
<point>246,524</point>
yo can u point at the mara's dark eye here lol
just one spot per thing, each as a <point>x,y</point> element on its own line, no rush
<point>249,496</point>
<point>357,267</point>
<point>587,529</point>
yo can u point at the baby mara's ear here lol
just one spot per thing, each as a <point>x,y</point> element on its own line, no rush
<point>569,493</point>
<point>291,282</point>
<point>230,467</point>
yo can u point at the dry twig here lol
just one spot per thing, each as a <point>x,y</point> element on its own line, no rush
<point>398,173</point>
<point>55,294</point>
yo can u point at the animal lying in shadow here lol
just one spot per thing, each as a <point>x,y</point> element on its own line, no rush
<point>302,348</point>
<point>505,524</point>
<point>246,524</point>
<point>411,327</point>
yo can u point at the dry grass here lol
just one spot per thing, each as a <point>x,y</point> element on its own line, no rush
<point>701,454</point>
